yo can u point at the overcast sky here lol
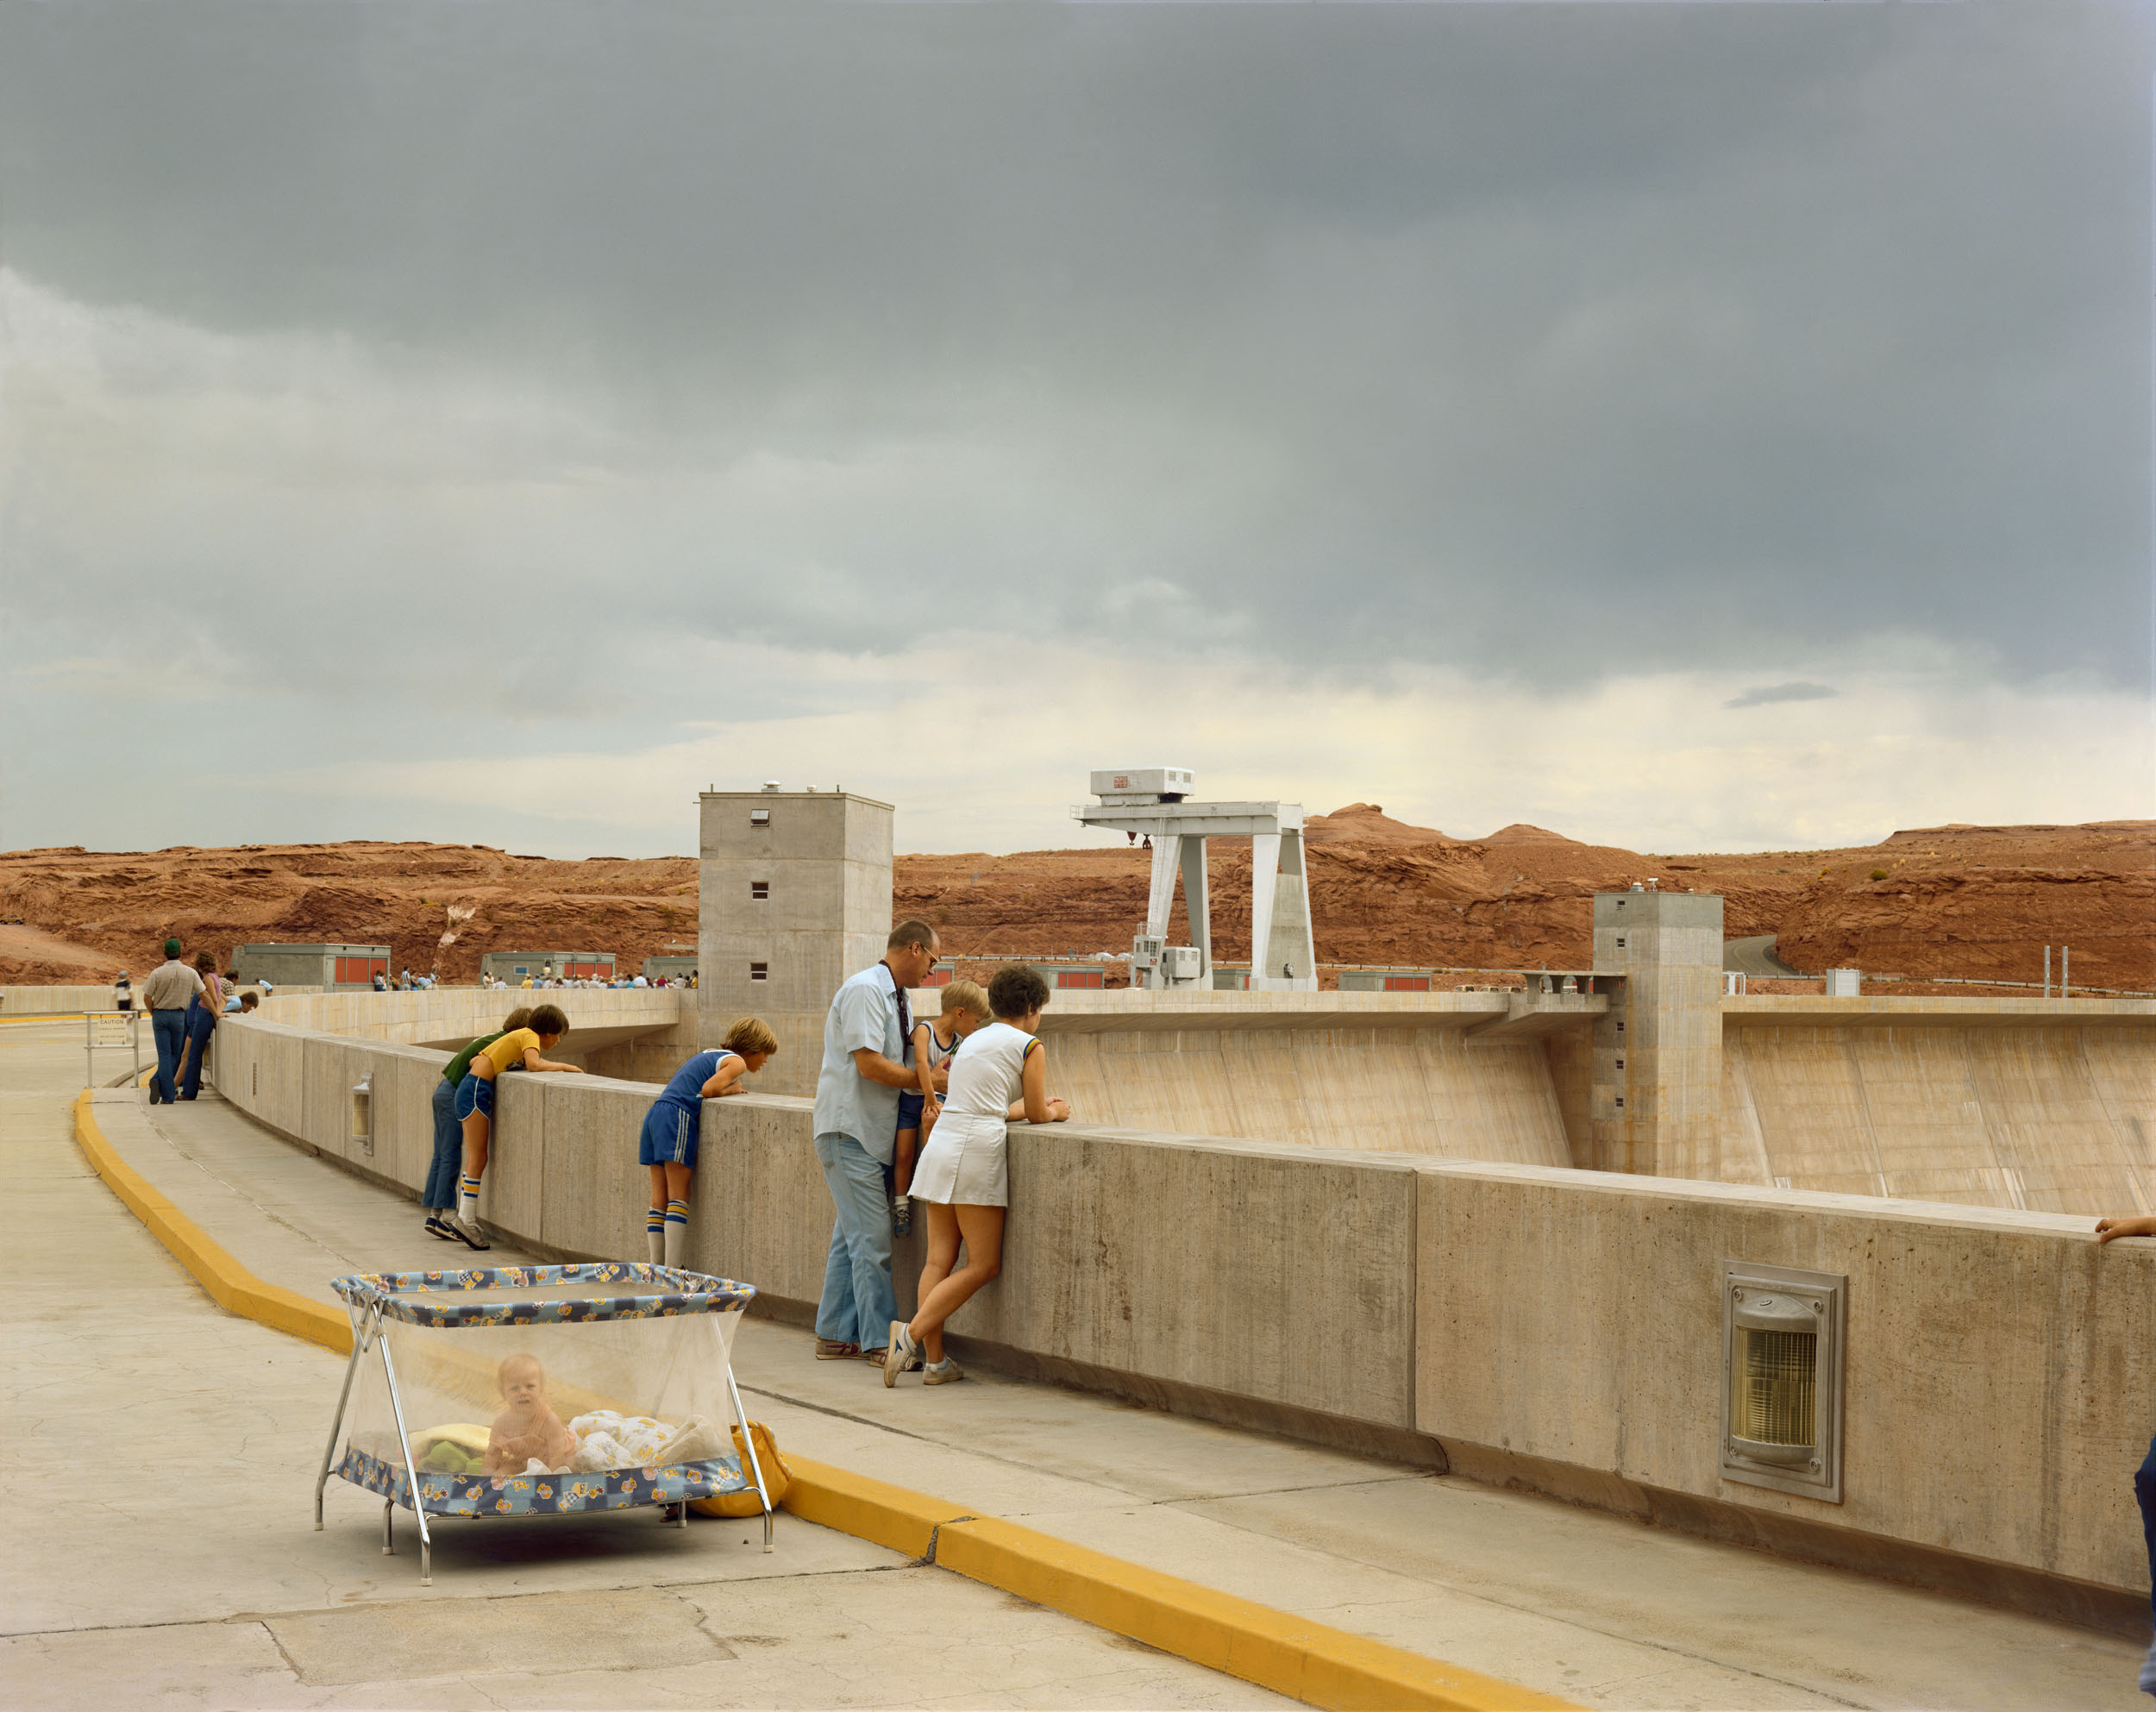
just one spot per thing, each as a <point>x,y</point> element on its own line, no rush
<point>1689,427</point>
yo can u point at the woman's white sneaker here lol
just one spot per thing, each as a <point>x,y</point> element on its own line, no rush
<point>901,1354</point>
<point>943,1372</point>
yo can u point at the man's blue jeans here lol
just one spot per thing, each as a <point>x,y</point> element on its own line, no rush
<point>441,1193</point>
<point>168,1029</point>
<point>858,1305</point>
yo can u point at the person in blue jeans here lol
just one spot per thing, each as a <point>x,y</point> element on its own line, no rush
<point>2108,1229</point>
<point>203,1011</point>
<point>867,1048</point>
<point>166,996</point>
<point>439,1196</point>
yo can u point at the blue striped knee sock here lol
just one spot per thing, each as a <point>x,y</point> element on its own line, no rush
<point>467,1199</point>
<point>677,1230</point>
<point>654,1234</point>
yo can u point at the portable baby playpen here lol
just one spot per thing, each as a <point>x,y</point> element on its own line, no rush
<point>541,1391</point>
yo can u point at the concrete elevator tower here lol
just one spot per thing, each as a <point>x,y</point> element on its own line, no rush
<point>795,895</point>
<point>1655,1096</point>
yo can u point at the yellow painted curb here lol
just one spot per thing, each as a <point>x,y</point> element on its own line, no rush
<point>869,1509</point>
<point>229,1284</point>
<point>1277,1650</point>
<point>1311,1662</point>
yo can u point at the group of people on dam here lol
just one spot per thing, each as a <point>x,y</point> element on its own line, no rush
<point>907,1111</point>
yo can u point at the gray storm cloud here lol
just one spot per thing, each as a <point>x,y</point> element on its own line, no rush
<point>1765,695</point>
<point>1480,334</point>
<point>400,379</point>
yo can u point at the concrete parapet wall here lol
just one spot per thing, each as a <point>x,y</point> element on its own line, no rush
<point>1542,1325</point>
<point>34,1000</point>
<point>602,1020</point>
<point>2000,1368</point>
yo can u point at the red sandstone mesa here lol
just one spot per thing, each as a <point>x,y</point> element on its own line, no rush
<point>1967,901</point>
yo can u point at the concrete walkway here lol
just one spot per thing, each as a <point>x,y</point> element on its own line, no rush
<point>157,1460</point>
<point>1599,1610</point>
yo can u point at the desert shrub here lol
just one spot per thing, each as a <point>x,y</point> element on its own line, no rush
<point>1878,873</point>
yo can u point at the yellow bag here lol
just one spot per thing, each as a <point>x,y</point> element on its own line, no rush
<point>777,1476</point>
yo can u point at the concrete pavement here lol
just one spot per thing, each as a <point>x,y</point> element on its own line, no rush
<point>1588,1606</point>
<point>157,1457</point>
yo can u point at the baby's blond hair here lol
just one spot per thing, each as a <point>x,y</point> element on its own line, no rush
<point>501,1373</point>
<point>967,996</point>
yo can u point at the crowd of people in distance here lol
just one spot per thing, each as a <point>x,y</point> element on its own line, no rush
<point>530,982</point>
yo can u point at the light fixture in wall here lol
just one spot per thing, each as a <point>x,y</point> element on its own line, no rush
<point>760,971</point>
<point>759,816</point>
<point>759,888</point>
<point>1781,1378</point>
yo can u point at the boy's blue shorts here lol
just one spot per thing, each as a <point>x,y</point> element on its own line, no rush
<point>474,1094</point>
<point>910,1110</point>
<point>669,1135</point>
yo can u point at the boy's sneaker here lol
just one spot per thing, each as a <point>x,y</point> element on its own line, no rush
<point>469,1233</point>
<point>941,1373</point>
<point>902,1354</point>
<point>830,1349</point>
<point>438,1226</point>
<point>901,1215</point>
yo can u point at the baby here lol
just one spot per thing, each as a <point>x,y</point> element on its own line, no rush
<point>528,1430</point>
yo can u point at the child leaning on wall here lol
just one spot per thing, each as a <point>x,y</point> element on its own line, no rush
<point>439,1196</point>
<point>965,1009</point>
<point>520,1047</point>
<point>674,1126</point>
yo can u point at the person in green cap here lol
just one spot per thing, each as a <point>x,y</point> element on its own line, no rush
<point>165,994</point>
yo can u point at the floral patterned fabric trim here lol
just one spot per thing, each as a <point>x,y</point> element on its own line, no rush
<point>545,1494</point>
<point>646,1292</point>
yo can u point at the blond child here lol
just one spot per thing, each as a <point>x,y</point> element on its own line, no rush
<point>674,1124</point>
<point>965,1009</point>
<point>527,1429</point>
<point>475,1104</point>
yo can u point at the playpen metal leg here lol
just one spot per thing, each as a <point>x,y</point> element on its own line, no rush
<point>748,1443</point>
<point>411,1474</point>
<point>685,1517</point>
<point>351,1371</point>
<point>389,1511</point>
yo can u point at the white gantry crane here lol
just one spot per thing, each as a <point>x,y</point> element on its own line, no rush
<point>1154,803</point>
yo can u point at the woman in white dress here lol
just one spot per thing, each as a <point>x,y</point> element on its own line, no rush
<point>998,1074</point>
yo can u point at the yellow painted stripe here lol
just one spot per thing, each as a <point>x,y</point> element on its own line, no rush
<point>869,1509</point>
<point>229,1284</point>
<point>1308,1661</point>
<point>1277,1650</point>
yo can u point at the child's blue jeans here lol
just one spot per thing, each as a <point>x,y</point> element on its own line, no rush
<point>441,1193</point>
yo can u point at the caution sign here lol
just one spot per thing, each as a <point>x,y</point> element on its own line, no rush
<point>113,1028</point>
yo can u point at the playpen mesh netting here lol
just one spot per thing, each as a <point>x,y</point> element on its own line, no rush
<point>540,1390</point>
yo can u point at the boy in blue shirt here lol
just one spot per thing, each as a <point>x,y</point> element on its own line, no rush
<point>673,1127</point>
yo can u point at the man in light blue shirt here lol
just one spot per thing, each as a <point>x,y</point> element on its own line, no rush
<point>867,1058</point>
